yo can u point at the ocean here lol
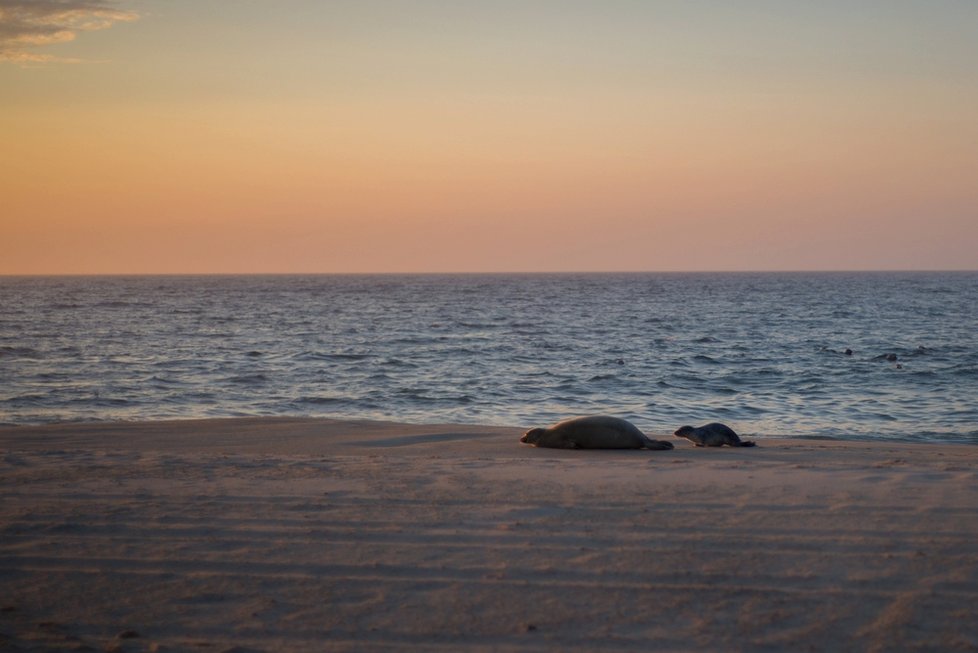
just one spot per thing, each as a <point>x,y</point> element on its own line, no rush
<point>889,355</point>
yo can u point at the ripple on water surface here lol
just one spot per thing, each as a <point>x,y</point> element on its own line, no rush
<point>764,352</point>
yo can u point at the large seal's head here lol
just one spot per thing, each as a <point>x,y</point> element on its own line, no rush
<point>533,436</point>
<point>683,431</point>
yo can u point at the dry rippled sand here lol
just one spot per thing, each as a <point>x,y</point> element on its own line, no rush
<point>291,534</point>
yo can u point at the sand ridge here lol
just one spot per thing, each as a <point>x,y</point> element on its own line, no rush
<point>306,534</point>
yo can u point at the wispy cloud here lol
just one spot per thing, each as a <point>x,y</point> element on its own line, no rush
<point>27,25</point>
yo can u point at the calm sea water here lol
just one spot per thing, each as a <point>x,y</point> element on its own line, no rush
<point>765,353</point>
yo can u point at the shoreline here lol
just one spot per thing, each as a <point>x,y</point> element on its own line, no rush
<point>294,423</point>
<point>274,534</point>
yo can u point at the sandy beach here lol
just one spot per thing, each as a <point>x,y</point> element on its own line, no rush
<point>328,535</point>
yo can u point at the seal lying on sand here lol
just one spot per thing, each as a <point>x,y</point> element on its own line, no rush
<point>592,432</point>
<point>712,435</point>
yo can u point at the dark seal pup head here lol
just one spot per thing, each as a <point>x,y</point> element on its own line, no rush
<point>712,435</point>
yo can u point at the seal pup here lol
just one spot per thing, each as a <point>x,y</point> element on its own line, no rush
<point>592,432</point>
<point>714,434</point>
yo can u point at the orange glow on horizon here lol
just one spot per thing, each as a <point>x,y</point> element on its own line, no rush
<point>167,165</point>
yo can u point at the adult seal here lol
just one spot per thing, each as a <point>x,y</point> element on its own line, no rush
<point>592,432</point>
<point>712,435</point>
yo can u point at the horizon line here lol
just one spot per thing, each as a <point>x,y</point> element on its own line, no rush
<point>487,273</point>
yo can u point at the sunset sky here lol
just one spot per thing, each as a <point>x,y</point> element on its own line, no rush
<point>238,136</point>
